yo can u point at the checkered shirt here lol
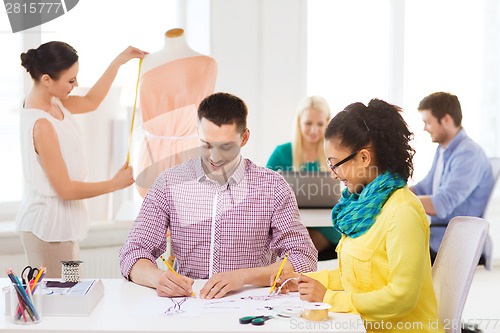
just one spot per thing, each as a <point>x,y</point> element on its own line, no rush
<point>247,222</point>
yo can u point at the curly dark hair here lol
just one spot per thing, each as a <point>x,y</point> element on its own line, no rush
<point>379,125</point>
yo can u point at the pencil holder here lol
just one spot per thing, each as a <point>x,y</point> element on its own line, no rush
<point>25,304</point>
<point>70,270</point>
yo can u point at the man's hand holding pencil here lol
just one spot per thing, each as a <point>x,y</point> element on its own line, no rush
<point>172,284</point>
<point>284,273</point>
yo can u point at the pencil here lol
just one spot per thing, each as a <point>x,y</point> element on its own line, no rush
<point>278,274</point>
<point>20,308</point>
<point>173,270</point>
<point>38,277</point>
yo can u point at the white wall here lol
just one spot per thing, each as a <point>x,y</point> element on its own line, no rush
<point>260,48</point>
<point>101,150</point>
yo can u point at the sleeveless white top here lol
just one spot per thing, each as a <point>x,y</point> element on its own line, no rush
<point>42,211</point>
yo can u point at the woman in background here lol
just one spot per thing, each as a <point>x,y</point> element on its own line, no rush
<point>53,217</point>
<point>384,271</point>
<point>306,153</point>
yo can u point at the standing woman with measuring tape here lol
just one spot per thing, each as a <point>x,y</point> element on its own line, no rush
<point>52,217</point>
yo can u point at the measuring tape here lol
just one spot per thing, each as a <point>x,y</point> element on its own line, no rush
<point>134,111</point>
<point>288,311</point>
<point>316,311</point>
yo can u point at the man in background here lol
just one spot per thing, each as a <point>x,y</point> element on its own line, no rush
<point>460,180</point>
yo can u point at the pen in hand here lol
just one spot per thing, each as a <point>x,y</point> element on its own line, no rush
<point>173,271</point>
<point>278,274</point>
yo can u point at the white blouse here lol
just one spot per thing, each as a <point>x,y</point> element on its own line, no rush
<point>42,211</point>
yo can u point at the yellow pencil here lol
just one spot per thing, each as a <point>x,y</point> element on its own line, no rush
<point>37,277</point>
<point>173,270</point>
<point>279,273</point>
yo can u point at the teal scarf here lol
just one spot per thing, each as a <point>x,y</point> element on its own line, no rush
<point>355,214</point>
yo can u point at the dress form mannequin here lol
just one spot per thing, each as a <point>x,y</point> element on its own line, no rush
<point>174,81</point>
<point>175,48</point>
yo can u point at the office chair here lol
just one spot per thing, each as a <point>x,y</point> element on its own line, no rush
<point>455,266</point>
<point>488,246</point>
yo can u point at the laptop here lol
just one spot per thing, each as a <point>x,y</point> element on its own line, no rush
<point>314,189</point>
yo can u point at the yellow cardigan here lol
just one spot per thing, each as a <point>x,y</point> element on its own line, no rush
<point>385,274</point>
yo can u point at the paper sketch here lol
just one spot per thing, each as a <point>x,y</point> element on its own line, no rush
<point>176,307</point>
<point>248,300</point>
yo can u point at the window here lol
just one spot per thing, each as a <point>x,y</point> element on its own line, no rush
<point>444,54</point>
<point>348,50</point>
<point>11,91</point>
<point>349,55</point>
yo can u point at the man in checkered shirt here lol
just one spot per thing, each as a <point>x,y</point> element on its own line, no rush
<point>229,219</point>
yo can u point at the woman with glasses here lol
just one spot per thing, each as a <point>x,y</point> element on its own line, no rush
<point>306,154</point>
<point>384,269</point>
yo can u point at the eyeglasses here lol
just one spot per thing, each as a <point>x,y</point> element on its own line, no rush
<point>335,166</point>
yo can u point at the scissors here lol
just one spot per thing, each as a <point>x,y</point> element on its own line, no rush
<point>254,320</point>
<point>29,273</point>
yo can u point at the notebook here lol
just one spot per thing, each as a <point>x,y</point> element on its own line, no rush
<point>314,189</point>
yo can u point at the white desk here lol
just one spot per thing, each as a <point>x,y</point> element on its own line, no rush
<point>316,217</point>
<point>115,313</point>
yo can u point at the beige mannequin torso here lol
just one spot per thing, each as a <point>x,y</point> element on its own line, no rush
<point>175,48</point>
<point>174,81</point>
